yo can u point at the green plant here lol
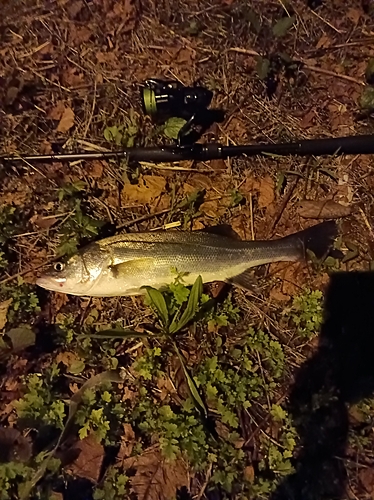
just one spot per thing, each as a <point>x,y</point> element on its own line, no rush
<point>100,413</point>
<point>115,486</point>
<point>39,405</point>
<point>76,228</point>
<point>306,312</point>
<point>12,477</point>
<point>125,134</point>
<point>24,301</point>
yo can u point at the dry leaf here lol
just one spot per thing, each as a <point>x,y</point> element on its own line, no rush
<point>67,120</point>
<point>354,15</point>
<point>148,189</point>
<point>322,209</point>
<point>213,208</point>
<point>89,461</point>
<point>43,222</point>
<point>249,473</point>
<point>367,480</point>
<point>155,478</point>
<point>265,187</point>
<point>276,294</point>
<point>96,169</point>
<point>323,42</point>
<point>186,56</point>
<point>56,112</point>
<point>307,120</point>
<point>4,306</point>
<point>66,358</point>
<point>127,443</point>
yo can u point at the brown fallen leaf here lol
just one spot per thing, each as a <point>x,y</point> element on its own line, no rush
<point>148,189</point>
<point>66,121</point>
<point>89,461</point>
<point>4,306</point>
<point>322,209</point>
<point>155,478</point>
<point>367,479</point>
<point>213,209</point>
<point>43,222</point>
<point>56,112</point>
<point>264,187</point>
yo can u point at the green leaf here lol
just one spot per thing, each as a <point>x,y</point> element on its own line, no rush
<point>21,338</point>
<point>283,25</point>
<point>262,67</point>
<point>173,126</point>
<point>77,367</point>
<point>369,73</point>
<point>158,301</point>
<point>113,134</point>
<point>367,98</point>
<point>191,384</point>
<point>191,308</point>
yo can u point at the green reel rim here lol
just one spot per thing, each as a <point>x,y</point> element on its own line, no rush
<point>149,101</point>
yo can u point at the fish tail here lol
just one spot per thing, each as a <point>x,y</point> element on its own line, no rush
<point>318,239</point>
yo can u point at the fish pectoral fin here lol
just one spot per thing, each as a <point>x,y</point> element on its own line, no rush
<point>245,280</point>
<point>130,267</point>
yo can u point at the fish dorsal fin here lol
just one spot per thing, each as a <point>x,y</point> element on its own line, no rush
<point>245,280</point>
<point>221,230</point>
<point>129,267</point>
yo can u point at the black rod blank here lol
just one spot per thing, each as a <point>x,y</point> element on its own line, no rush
<point>350,145</point>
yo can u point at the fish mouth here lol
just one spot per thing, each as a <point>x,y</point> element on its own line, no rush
<point>47,283</point>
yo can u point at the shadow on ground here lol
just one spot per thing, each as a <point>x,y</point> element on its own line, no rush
<point>339,374</point>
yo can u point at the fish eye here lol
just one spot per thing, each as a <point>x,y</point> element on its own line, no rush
<point>59,266</point>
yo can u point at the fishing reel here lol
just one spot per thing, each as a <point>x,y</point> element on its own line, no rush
<point>163,99</point>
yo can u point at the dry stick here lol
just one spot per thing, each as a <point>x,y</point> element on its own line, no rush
<point>142,219</point>
<point>204,486</point>
<point>249,52</point>
<point>284,204</point>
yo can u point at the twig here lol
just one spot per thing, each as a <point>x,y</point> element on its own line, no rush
<point>142,219</point>
<point>26,271</point>
<point>92,111</point>
<point>58,85</point>
<point>284,204</point>
<point>203,488</point>
<point>251,52</point>
<point>332,73</point>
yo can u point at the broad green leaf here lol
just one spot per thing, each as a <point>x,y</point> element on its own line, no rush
<point>191,308</point>
<point>158,301</point>
<point>283,25</point>
<point>173,126</point>
<point>262,67</point>
<point>367,98</point>
<point>21,338</point>
<point>191,384</point>
<point>77,367</point>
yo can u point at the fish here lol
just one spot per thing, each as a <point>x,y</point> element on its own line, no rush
<point>122,265</point>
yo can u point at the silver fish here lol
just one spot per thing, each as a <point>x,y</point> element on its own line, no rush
<point>122,264</point>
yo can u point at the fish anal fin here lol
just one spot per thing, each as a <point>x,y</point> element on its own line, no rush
<point>130,267</point>
<point>245,280</point>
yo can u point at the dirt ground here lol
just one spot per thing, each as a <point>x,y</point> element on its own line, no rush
<point>281,71</point>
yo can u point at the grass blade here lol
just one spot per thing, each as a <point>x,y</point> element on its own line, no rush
<point>191,385</point>
<point>159,303</point>
<point>191,308</point>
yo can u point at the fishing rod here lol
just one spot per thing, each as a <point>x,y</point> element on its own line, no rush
<point>162,99</point>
